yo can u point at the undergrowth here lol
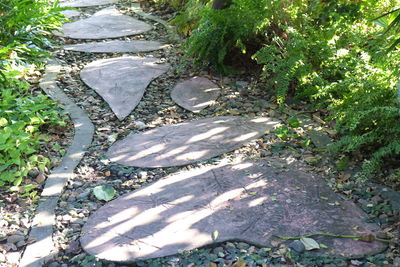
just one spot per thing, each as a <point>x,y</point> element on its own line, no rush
<point>24,35</point>
<point>329,53</point>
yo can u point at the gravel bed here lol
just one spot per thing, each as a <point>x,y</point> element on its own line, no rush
<point>240,95</point>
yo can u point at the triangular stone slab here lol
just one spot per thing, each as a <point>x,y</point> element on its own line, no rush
<point>195,94</point>
<point>87,3</point>
<point>121,81</point>
<point>116,46</point>
<point>185,143</point>
<point>248,201</point>
<point>107,23</point>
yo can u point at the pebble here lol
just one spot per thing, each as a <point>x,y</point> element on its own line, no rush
<point>242,245</point>
<point>15,238</point>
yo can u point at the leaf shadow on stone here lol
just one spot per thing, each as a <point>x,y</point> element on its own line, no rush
<point>245,201</point>
<point>185,143</point>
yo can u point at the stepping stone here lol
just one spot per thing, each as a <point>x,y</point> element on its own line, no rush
<point>87,3</point>
<point>121,81</point>
<point>107,23</point>
<point>70,13</point>
<point>195,94</point>
<point>245,201</point>
<point>185,143</point>
<point>116,46</point>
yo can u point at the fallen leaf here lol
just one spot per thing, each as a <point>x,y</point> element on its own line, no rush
<point>104,192</point>
<point>309,243</point>
<point>240,263</point>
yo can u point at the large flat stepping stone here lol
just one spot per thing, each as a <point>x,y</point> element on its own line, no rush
<point>121,81</point>
<point>107,23</point>
<point>195,94</point>
<point>185,143</point>
<point>116,46</point>
<point>248,201</point>
<point>87,3</point>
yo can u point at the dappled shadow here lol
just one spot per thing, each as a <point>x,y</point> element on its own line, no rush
<point>107,23</point>
<point>121,82</point>
<point>185,143</point>
<point>248,201</point>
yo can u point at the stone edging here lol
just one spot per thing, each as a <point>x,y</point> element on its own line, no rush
<point>170,29</point>
<point>42,250</point>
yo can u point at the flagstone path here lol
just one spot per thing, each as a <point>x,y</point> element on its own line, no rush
<point>246,200</point>
<point>185,143</point>
<point>116,46</point>
<point>107,23</point>
<point>195,94</point>
<point>87,3</point>
<point>121,81</point>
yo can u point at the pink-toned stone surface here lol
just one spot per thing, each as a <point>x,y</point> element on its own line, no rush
<point>70,13</point>
<point>185,143</point>
<point>248,201</point>
<point>116,46</point>
<point>107,23</point>
<point>121,81</point>
<point>86,3</point>
<point>195,94</point>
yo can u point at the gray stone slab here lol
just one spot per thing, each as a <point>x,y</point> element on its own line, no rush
<point>121,81</point>
<point>320,139</point>
<point>38,253</point>
<point>195,94</point>
<point>116,46</point>
<point>87,3</point>
<point>185,143</point>
<point>107,23</point>
<point>247,201</point>
<point>70,13</point>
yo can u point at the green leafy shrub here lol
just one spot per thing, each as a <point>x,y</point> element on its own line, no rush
<point>25,26</point>
<point>326,52</point>
<point>21,118</point>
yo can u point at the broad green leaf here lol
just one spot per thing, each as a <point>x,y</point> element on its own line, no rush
<point>309,243</point>
<point>104,192</point>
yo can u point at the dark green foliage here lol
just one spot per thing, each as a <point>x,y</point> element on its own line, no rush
<point>328,53</point>
<point>21,119</point>
<point>220,30</point>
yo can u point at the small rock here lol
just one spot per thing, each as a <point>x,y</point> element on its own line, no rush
<point>139,124</point>
<point>356,262</point>
<point>77,184</point>
<point>142,174</point>
<point>218,249</point>
<point>2,257</point>
<point>320,139</point>
<point>33,173</point>
<point>40,178</point>
<point>297,245</point>
<point>376,199</point>
<point>242,245</point>
<point>20,243</point>
<point>15,239</point>
<point>230,245</point>
<point>54,264</point>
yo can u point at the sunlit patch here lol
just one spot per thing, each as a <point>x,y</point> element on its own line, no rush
<point>257,202</point>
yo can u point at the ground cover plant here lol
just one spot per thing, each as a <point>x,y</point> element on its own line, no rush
<point>331,54</point>
<point>24,113</point>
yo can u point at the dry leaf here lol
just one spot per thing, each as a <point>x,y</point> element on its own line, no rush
<point>240,263</point>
